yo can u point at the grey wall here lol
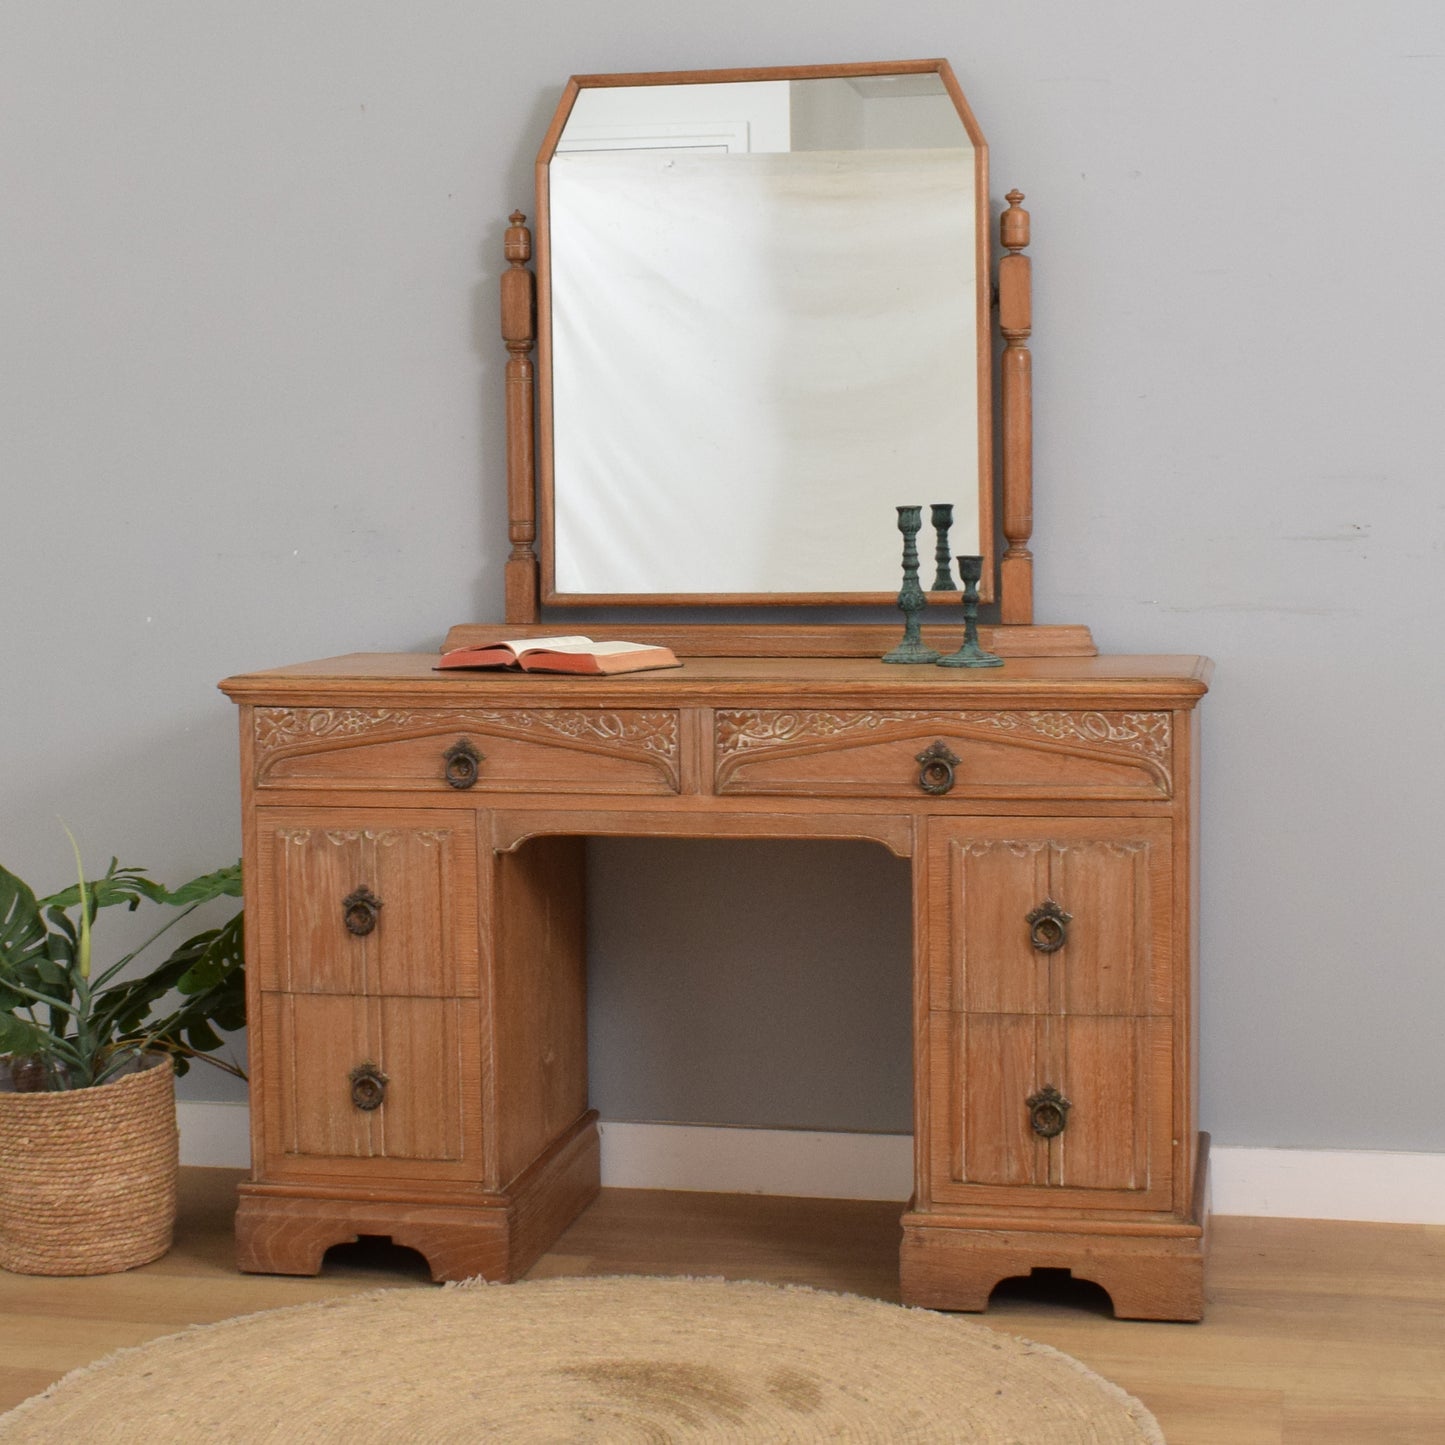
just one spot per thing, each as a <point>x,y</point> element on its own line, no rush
<point>250,413</point>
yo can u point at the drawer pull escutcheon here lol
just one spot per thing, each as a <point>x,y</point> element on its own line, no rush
<point>360,911</point>
<point>368,1087</point>
<point>1049,926</point>
<point>935,768</point>
<point>1048,1112</point>
<point>461,764</point>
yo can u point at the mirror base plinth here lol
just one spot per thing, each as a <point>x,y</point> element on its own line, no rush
<point>799,639</point>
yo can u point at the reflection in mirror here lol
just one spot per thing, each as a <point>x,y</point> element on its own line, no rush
<point>765,321</point>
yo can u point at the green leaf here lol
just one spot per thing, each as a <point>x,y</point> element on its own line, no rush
<point>223,883</point>
<point>53,974</point>
<point>228,1012</point>
<point>129,885</point>
<point>202,1037</point>
<point>121,884</point>
<point>27,967</point>
<point>20,1036</point>
<point>23,934</point>
<point>221,958</point>
<point>64,939</point>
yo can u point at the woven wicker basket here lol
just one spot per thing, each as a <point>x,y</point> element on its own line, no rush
<point>88,1176</point>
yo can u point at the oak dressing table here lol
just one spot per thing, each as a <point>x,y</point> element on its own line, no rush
<point>413,840</point>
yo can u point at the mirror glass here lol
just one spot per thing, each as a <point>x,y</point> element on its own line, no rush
<point>763,322</point>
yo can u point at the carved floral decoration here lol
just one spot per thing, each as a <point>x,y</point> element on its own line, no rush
<point>624,731</point>
<point>1148,736</point>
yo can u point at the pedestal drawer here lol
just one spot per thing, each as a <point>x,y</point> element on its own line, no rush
<point>386,1087</point>
<point>1046,754</point>
<point>366,901</point>
<point>1042,1111</point>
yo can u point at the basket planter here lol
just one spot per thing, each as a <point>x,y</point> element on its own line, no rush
<point>88,1176</point>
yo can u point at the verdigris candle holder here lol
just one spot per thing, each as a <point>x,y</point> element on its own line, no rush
<point>943,559</point>
<point>970,569</point>
<point>911,600</point>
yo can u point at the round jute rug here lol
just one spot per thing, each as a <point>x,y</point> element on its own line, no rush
<point>618,1360</point>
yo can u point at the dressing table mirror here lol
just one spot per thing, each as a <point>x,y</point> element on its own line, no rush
<point>764,309</point>
<point>763,319</point>
<point>762,313</point>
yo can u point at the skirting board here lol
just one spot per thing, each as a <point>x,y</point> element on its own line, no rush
<point>757,1161</point>
<point>1379,1185</point>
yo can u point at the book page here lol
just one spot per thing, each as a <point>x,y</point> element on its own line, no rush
<point>601,649</point>
<point>547,644</point>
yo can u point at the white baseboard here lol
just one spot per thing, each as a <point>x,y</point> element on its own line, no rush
<point>1379,1185</point>
<point>757,1161</point>
<point>1382,1185</point>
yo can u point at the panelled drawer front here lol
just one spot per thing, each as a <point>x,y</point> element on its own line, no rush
<point>367,902</point>
<point>989,1080</point>
<point>1041,915</point>
<point>381,1086</point>
<point>1044,754</point>
<point>514,750</point>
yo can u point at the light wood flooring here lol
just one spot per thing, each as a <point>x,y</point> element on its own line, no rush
<point>1316,1333</point>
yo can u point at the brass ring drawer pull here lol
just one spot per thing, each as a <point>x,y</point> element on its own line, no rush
<point>935,768</point>
<point>1048,1112</point>
<point>360,911</point>
<point>1049,926</point>
<point>368,1087</point>
<point>460,764</point>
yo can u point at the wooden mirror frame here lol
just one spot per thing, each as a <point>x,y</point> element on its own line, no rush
<point>1015,635</point>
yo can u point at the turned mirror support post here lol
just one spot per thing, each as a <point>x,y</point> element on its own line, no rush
<point>1015,318</point>
<point>519,328</point>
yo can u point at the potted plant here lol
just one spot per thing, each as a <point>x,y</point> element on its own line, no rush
<point>88,1146</point>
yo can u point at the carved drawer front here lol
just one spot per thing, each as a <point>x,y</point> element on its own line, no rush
<point>367,901</point>
<point>389,1087</point>
<point>1041,915</point>
<point>1039,1110</point>
<point>1047,754</point>
<point>504,750</point>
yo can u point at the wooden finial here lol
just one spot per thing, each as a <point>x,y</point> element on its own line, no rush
<point>1013,224</point>
<point>518,244</point>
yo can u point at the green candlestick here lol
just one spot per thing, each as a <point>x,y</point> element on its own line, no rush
<point>911,600</point>
<point>942,557</point>
<point>970,569</point>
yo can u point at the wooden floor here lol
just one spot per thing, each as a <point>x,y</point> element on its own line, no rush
<point>1316,1333</point>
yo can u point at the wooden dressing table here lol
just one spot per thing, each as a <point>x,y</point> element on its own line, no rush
<point>416,902</point>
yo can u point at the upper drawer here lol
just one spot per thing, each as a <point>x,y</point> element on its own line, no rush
<point>1050,754</point>
<point>506,750</point>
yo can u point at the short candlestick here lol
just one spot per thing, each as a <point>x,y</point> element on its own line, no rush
<point>970,569</point>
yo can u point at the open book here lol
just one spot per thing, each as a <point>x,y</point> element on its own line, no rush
<point>561,654</point>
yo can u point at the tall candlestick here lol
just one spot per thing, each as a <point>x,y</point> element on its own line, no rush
<point>910,599</point>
